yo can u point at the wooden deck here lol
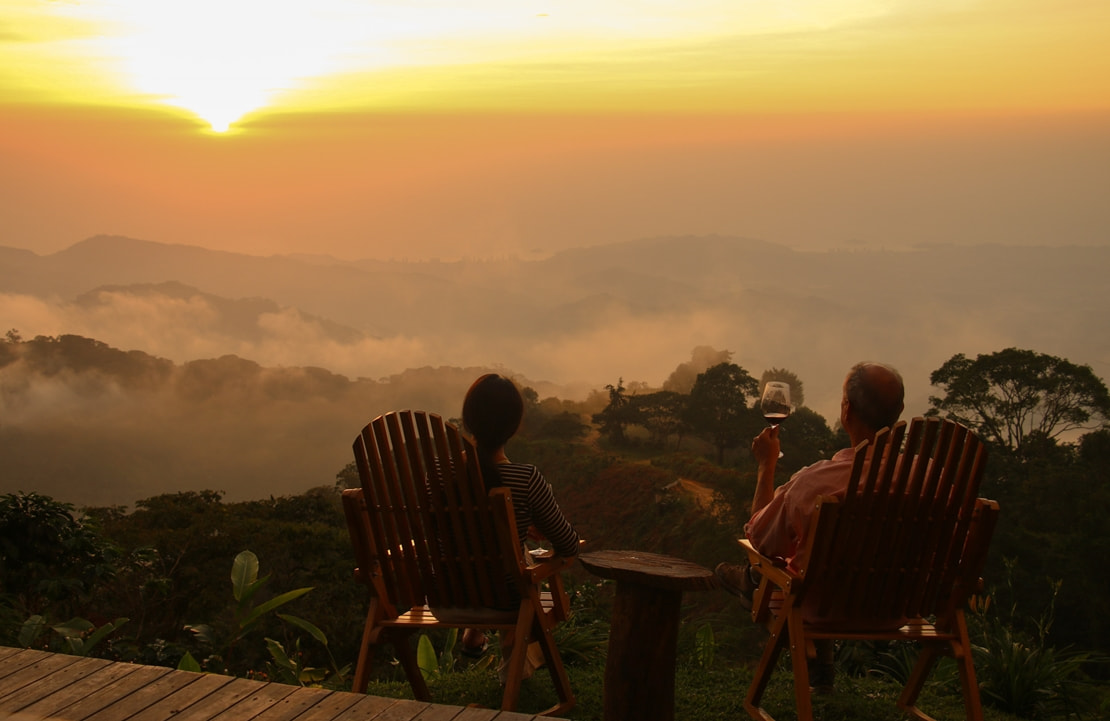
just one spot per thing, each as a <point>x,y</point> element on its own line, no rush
<point>35,686</point>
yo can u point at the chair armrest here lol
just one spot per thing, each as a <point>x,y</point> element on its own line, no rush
<point>549,566</point>
<point>775,575</point>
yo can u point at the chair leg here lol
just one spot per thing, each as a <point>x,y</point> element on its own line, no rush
<point>519,654</point>
<point>962,651</point>
<point>799,662</point>
<point>542,629</point>
<point>771,651</point>
<point>365,658</point>
<point>926,660</point>
<point>406,654</point>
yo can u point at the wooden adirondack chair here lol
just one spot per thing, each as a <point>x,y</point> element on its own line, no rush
<point>436,550</point>
<point>896,558</point>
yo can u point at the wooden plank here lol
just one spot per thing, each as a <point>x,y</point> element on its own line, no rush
<point>261,699</point>
<point>439,712</point>
<point>41,665</point>
<point>402,710</point>
<point>111,694</point>
<point>193,696</point>
<point>69,688</point>
<point>294,705</point>
<point>62,672</point>
<point>87,692</point>
<point>141,699</point>
<point>215,704</point>
<point>14,659</point>
<point>364,709</point>
<point>332,706</point>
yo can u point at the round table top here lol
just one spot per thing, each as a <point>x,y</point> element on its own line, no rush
<point>649,569</point>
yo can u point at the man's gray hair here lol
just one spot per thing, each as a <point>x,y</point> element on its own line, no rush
<point>876,398</point>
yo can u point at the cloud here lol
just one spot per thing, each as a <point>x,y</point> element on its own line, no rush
<point>185,329</point>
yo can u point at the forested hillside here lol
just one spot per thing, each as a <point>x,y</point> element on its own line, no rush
<point>660,469</point>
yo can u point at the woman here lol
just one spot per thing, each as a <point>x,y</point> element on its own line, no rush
<point>492,412</point>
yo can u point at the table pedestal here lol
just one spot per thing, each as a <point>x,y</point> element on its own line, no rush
<point>643,631</point>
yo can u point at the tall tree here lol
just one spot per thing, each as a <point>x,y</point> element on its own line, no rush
<point>718,407</point>
<point>1017,396</point>
<point>617,415</point>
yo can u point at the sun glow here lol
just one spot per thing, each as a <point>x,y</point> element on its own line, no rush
<point>223,60</point>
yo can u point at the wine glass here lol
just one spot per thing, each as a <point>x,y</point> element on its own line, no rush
<point>775,404</point>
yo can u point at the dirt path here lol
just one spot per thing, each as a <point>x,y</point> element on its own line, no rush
<point>702,495</point>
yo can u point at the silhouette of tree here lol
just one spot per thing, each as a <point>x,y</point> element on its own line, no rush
<point>663,414</point>
<point>718,406</point>
<point>1014,397</point>
<point>617,415</point>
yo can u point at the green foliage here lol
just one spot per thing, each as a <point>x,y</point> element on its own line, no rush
<point>82,636</point>
<point>245,585</point>
<point>663,414</point>
<point>1021,673</point>
<point>1014,396</point>
<point>718,409</point>
<point>49,558</point>
<point>77,636</point>
<point>706,648</point>
<point>176,544</point>
<point>432,664</point>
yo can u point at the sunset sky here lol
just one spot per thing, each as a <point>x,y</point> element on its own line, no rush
<point>518,127</point>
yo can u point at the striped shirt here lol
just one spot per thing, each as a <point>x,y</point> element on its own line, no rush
<point>534,505</point>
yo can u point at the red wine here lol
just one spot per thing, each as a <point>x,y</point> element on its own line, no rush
<point>774,418</point>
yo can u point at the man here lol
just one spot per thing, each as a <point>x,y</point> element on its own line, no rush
<point>872,400</point>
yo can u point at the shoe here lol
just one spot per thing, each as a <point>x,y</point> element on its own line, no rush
<point>736,578</point>
<point>822,674</point>
<point>473,650</point>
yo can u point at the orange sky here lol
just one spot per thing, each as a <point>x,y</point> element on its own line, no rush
<point>419,129</point>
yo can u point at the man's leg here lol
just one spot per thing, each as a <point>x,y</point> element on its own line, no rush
<point>821,670</point>
<point>739,579</point>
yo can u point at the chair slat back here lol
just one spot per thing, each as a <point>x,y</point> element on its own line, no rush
<point>896,545</point>
<point>432,536</point>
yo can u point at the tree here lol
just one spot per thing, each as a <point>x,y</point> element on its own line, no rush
<point>617,415</point>
<point>702,358</point>
<point>565,426</point>
<point>718,405</point>
<point>797,390</point>
<point>1015,396</point>
<point>663,414</point>
<point>50,559</point>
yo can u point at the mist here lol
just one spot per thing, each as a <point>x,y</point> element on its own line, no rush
<point>321,347</point>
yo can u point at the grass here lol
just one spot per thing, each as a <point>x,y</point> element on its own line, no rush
<point>714,693</point>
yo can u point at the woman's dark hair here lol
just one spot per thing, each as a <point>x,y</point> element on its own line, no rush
<point>492,412</point>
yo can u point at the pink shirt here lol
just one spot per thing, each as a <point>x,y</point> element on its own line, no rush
<point>779,528</point>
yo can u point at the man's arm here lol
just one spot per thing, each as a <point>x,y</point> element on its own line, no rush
<point>765,448</point>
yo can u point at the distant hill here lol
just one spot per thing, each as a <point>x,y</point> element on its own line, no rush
<point>582,317</point>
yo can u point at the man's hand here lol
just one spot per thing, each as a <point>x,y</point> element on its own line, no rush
<point>765,447</point>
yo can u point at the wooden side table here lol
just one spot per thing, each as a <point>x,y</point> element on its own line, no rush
<point>643,632</point>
